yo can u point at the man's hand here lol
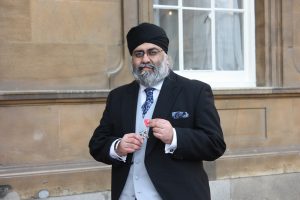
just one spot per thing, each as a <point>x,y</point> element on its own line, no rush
<point>130,143</point>
<point>162,129</point>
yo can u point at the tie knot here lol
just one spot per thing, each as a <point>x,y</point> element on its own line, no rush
<point>149,91</point>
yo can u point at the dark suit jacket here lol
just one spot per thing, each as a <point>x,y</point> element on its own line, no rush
<point>199,137</point>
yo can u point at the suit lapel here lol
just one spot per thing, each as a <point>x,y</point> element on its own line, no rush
<point>129,111</point>
<point>167,97</point>
<point>129,107</point>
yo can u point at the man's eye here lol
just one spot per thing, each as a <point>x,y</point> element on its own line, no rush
<point>139,54</point>
<point>153,52</point>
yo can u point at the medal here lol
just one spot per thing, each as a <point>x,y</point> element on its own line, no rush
<point>146,122</point>
<point>144,133</point>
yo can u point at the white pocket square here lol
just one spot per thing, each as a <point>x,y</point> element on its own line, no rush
<point>180,115</point>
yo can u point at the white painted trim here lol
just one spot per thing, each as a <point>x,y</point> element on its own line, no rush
<point>222,79</point>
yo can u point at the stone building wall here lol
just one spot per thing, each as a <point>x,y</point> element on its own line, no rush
<point>60,58</point>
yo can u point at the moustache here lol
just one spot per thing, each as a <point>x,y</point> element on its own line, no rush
<point>142,66</point>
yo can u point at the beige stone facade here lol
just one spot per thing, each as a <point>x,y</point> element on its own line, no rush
<point>59,59</point>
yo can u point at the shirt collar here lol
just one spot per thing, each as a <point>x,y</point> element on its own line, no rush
<point>156,87</point>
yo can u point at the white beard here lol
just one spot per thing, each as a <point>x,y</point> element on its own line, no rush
<point>151,77</point>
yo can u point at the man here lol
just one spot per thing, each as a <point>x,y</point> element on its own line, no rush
<point>157,130</point>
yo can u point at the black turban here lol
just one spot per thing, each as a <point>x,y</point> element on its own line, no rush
<point>147,33</point>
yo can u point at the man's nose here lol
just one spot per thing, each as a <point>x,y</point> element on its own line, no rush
<point>145,58</point>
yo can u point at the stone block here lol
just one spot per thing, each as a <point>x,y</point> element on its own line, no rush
<point>220,190</point>
<point>93,22</point>
<point>77,124</point>
<point>29,134</point>
<point>291,70</point>
<point>244,123</point>
<point>47,134</point>
<point>59,181</point>
<point>53,67</point>
<point>259,163</point>
<point>275,187</point>
<point>91,196</point>
<point>15,23</point>
<point>11,196</point>
<point>260,123</point>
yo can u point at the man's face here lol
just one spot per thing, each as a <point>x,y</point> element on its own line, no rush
<point>149,64</point>
<point>147,53</point>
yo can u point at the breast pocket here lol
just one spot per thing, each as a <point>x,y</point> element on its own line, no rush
<point>181,119</point>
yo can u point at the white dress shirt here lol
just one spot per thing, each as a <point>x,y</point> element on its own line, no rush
<point>169,148</point>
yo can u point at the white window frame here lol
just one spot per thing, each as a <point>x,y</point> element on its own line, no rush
<point>222,79</point>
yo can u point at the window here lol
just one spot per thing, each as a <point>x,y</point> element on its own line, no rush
<point>210,40</point>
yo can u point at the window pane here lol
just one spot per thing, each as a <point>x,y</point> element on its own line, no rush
<point>229,41</point>
<point>168,20</point>
<point>197,3</point>
<point>197,40</point>
<point>236,4</point>
<point>165,2</point>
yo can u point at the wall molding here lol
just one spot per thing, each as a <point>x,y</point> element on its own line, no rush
<point>48,169</point>
<point>96,96</point>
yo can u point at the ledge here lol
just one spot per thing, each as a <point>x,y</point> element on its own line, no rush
<point>100,95</point>
<point>259,92</point>
<point>50,168</point>
<point>52,97</point>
